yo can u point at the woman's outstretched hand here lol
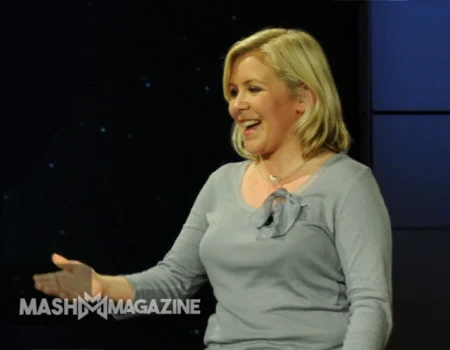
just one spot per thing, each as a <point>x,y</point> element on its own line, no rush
<point>74,279</point>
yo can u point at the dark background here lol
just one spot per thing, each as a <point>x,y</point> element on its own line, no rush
<point>113,117</point>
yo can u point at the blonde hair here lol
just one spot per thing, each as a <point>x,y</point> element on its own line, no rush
<point>298,59</point>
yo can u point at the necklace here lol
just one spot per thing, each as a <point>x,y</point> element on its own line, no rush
<point>277,180</point>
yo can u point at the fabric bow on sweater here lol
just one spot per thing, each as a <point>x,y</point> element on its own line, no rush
<point>282,216</point>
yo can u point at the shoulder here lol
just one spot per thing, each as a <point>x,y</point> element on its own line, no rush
<point>359,201</point>
<point>353,180</point>
<point>344,175</point>
<point>225,177</point>
<point>229,171</point>
<point>343,172</point>
<point>345,169</point>
<point>219,182</point>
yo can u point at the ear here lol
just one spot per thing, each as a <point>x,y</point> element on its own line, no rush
<point>307,97</point>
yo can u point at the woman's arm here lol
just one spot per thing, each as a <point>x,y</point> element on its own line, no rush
<point>180,274</point>
<point>364,244</point>
<point>117,288</point>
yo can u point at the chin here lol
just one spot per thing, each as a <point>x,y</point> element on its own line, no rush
<point>252,148</point>
<point>254,151</point>
<point>256,146</point>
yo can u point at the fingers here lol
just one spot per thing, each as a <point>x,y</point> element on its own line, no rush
<point>64,283</point>
<point>63,263</point>
<point>45,277</point>
<point>47,283</point>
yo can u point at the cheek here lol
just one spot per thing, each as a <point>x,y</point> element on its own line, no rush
<point>288,115</point>
<point>231,111</point>
<point>280,118</point>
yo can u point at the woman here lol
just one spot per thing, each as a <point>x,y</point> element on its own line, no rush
<point>295,239</point>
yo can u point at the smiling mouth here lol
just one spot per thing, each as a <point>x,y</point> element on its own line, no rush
<point>251,124</point>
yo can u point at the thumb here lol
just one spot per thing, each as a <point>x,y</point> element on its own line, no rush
<point>63,263</point>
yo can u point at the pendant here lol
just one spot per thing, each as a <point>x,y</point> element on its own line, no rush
<point>274,178</point>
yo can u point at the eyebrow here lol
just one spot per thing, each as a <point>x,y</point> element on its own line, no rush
<point>248,81</point>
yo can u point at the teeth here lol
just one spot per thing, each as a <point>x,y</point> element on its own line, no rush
<point>250,122</point>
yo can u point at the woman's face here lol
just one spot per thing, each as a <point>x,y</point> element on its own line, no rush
<point>261,105</point>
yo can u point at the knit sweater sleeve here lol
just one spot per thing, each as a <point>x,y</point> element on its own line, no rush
<point>180,274</point>
<point>364,244</point>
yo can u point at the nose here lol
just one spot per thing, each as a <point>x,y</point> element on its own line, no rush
<point>237,105</point>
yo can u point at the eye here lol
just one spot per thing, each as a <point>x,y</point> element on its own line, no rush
<point>254,89</point>
<point>233,92</point>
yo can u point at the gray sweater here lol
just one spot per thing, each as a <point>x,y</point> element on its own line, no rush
<point>311,272</point>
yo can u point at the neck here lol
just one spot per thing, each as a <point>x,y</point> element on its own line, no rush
<point>284,162</point>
